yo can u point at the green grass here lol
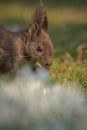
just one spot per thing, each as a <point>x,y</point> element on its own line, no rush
<point>67,40</point>
<point>68,31</point>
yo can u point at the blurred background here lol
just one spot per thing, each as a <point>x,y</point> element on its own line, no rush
<point>67,29</point>
<point>59,12</point>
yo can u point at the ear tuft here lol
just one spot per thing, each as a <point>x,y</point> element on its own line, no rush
<point>40,16</point>
<point>45,22</point>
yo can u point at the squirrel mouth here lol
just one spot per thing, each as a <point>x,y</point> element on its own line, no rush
<point>46,65</point>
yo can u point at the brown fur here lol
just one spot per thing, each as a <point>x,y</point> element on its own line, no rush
<point>33,44</point>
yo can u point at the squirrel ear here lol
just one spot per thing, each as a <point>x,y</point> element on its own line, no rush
<point>45,22</point>
<point>40,17</point>
<point>32,31</point>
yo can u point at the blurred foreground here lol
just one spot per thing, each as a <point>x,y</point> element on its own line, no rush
<point>31,101</point>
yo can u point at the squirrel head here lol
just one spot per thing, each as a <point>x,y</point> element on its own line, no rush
<point>38,46</point>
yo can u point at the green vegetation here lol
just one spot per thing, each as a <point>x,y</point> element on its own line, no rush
<point>68,30</point>
<point>70,55</point>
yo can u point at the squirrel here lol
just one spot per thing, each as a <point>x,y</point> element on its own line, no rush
<point>32,44</point>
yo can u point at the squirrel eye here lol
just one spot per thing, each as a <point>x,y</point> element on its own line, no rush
<point>39,49</point>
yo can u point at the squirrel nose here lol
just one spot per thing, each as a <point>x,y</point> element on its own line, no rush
<point>49,63</point>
